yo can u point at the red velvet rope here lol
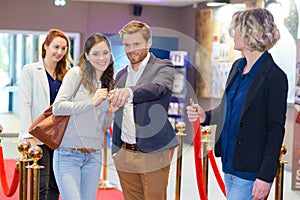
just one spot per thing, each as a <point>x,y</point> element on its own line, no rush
<point>8,191</point>
<point>216,171</point>
<point>198,160</point>
<point>110,131</point>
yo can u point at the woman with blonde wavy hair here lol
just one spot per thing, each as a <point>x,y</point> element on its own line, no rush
<point>251,116</point>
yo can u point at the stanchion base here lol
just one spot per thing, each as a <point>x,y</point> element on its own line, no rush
<point>106,185</point>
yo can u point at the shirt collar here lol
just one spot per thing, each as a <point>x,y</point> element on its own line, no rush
<point>241,65</point>
<point>40,64</point>
<point>142,65</point>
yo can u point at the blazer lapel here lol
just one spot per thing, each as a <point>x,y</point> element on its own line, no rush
<point>43,79</point>
<point>123,74</point>
<point>122,78</point>
<point>257,82</point>
<point>232,75</point>
<point>147,69</point>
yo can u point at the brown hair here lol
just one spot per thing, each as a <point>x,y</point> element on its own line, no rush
<point>88,71</point>
<point>64,64</point>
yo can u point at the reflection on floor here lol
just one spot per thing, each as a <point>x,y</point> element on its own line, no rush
<point>188,181</point>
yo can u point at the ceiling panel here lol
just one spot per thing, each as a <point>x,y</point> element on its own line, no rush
<point>174,3</point>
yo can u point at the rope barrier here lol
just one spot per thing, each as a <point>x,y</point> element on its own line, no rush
<point>104,183</point>
<point>216,171</point>
<point>110,131</point>
<point>198,163</point>
<point>8,191</point>
<point>198,160</point>
<point>199,168</point>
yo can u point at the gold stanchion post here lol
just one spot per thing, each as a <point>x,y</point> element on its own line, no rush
<point>104,183</point>
<point>35,153</point>
<point>180,126</point>
<point>1,129</point>
<point>205,147</point>
<point>279,175</point>
<point>23,147</point>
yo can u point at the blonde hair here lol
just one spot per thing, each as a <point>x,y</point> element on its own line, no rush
<point>134,27</point>
<point>257,28</point>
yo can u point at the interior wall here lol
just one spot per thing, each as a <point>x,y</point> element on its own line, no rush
<point>89,17</point>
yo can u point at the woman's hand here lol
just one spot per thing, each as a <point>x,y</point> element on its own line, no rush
<point>194,112</point>
<point>260,189</point>
<point>118,97</point>
<point>31,141</point>
<point>99,96</point>
<point>112,109</point>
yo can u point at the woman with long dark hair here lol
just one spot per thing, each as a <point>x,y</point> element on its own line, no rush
<point>77,162</point>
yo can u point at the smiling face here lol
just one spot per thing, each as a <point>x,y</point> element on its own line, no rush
<point>100,57</point>
<point>57,49</point>
<point>136,47</point>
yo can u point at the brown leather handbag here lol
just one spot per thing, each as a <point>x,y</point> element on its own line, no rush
<point>50,129</point>
<point>298,117</point>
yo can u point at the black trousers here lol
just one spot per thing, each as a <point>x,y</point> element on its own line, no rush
<point>48,187</point>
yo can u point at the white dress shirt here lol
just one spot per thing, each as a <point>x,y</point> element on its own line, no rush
<point>128,125</point>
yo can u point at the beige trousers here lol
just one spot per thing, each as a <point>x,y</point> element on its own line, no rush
<point>143,176</point>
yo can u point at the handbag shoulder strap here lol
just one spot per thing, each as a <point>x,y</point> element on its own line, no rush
<point>75,92</point>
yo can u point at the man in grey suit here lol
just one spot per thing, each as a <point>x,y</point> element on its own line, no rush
<point>142,134</point>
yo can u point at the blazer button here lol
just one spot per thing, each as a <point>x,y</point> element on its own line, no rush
<point>239,142</point>
<point>241,124</point>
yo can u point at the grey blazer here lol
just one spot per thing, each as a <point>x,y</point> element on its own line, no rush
<point>152,95</point>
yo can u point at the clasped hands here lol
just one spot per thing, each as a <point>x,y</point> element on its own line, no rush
<point>117,98</point>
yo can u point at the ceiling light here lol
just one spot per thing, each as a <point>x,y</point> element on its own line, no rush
<point>215,3</point>
<point>60,2</point>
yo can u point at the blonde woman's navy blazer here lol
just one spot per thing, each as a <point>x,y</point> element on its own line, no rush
<point>262,123</point>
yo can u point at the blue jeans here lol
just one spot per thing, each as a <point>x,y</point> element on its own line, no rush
<point>238,188</point>
<point>77,174</point>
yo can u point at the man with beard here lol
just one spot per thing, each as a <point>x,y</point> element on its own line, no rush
<point>142,134</point>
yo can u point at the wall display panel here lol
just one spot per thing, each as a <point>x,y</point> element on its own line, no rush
<point>177,105</point>
<point>296,122</point>
<point>20,47</point>
<point>284,16</point>
<point>161,47</point>
<point>287,17</point>
<point>223,54</point>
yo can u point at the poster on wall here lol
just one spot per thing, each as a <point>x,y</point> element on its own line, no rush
<point>287,18</point>
<point>296,140</point>
<point>281,51</point>
<point>223,54</point>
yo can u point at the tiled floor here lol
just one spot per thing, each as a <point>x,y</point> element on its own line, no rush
<point>188,182</point>
<point>189,191</point>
